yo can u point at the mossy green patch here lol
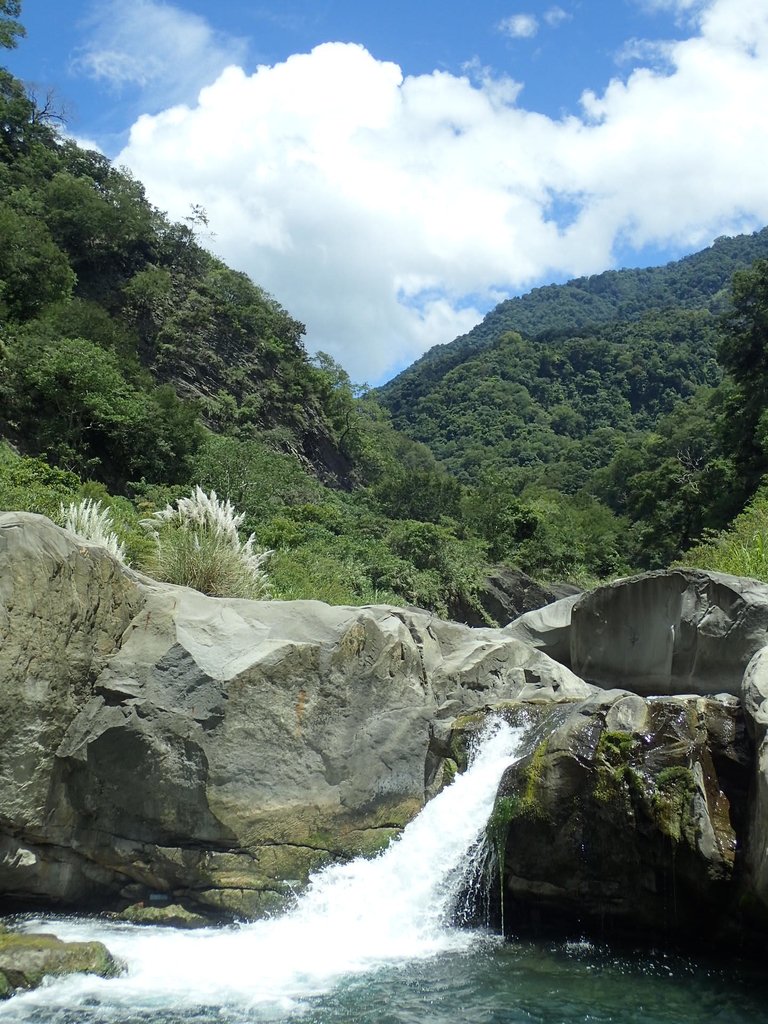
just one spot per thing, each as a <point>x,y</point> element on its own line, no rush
<point>524,802</point>
<point>672,802</point>
<point>450,771</point>
<point>616,779</point>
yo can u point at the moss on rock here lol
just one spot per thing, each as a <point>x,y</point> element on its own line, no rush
<point>672,802</point>
<point>615,777</point>
<point>173,915</point>
<point>25,960</point>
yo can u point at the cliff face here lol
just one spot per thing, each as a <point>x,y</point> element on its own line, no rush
<point>158,745</point>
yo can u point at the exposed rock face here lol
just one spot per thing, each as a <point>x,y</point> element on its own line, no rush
<point>216,751</point>
<point>160,747</point>
<point>679,631</point>
<point>626,811</point>
<point>547,629</point>
<point>507,593</point>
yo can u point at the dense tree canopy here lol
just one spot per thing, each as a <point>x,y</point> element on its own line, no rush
<point>581,431</point>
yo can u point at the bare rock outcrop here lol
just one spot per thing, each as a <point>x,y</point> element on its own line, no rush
<point>676,631</point>
<point>159,742</point>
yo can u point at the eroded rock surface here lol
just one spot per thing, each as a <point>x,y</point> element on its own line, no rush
<point>677,631</point>
<point>626,811</point>
<point>157,741</point>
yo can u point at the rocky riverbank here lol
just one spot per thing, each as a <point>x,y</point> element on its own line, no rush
<point>158,746</point>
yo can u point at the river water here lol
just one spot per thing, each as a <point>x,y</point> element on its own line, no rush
<point>373,941</point>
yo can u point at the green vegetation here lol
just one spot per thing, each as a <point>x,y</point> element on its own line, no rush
<point>672,800</point>
<point>198,544</point>
<point>646,410</point>
<point>615,778</point>
<point>580,432</point>
<point>741,549</point>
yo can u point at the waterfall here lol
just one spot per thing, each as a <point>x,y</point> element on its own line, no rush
<point>353,918</point>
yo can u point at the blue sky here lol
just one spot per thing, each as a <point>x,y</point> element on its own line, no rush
<point>390,172</point>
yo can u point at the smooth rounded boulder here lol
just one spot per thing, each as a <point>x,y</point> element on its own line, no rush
<point>673,632</point>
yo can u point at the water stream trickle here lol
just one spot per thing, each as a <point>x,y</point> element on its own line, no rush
<point>354,918</point>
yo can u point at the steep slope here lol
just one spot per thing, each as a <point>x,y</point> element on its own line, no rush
<point>554,379</point>
<point>114,320</point>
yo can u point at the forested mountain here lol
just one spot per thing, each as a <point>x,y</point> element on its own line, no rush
<point>580,432</point>
<point>559,405</point>
<point>608,387</point>
<point>698,281</point>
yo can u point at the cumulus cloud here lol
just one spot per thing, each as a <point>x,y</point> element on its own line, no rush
<point>519,26</point>
<point>156,46</point>
<point>388,211</point>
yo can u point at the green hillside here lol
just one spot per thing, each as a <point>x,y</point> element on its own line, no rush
<point>609,387</point>
<point>580,432</point>
<point>698,281</point>
<point>557,406</point>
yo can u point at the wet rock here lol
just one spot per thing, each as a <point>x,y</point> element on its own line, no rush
<point>621,814</point>
<point>26,960</point>
<point>755,702</point>
<point>171,915</point>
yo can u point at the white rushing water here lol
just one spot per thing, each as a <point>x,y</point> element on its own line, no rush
<point>353,918</point>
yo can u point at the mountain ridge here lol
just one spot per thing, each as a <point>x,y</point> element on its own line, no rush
<point>589,301</point>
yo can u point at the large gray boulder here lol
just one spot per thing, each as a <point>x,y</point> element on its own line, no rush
<point>159,743</point>
<point>670,632</point>
<point>755,703</point>
<point>548,629</point>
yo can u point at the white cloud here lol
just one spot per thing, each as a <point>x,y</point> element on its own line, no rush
<point>655,53</point>
<point>519,26</point>
<point>155,46</point>
<point>387,211</point>
<point>555,16</point>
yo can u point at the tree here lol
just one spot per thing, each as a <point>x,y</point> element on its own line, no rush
<point>743,352</point>
<point>97,423</point>
<point>11,30</point>
<point>34,272</point>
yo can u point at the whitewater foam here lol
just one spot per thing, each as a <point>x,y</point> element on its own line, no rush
<point>354,917</point>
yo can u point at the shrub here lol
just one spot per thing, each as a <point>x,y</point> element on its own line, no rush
<point>741,549</point>
<point>198,545</point>
<point>31,485</point>
<point>89,521</point>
